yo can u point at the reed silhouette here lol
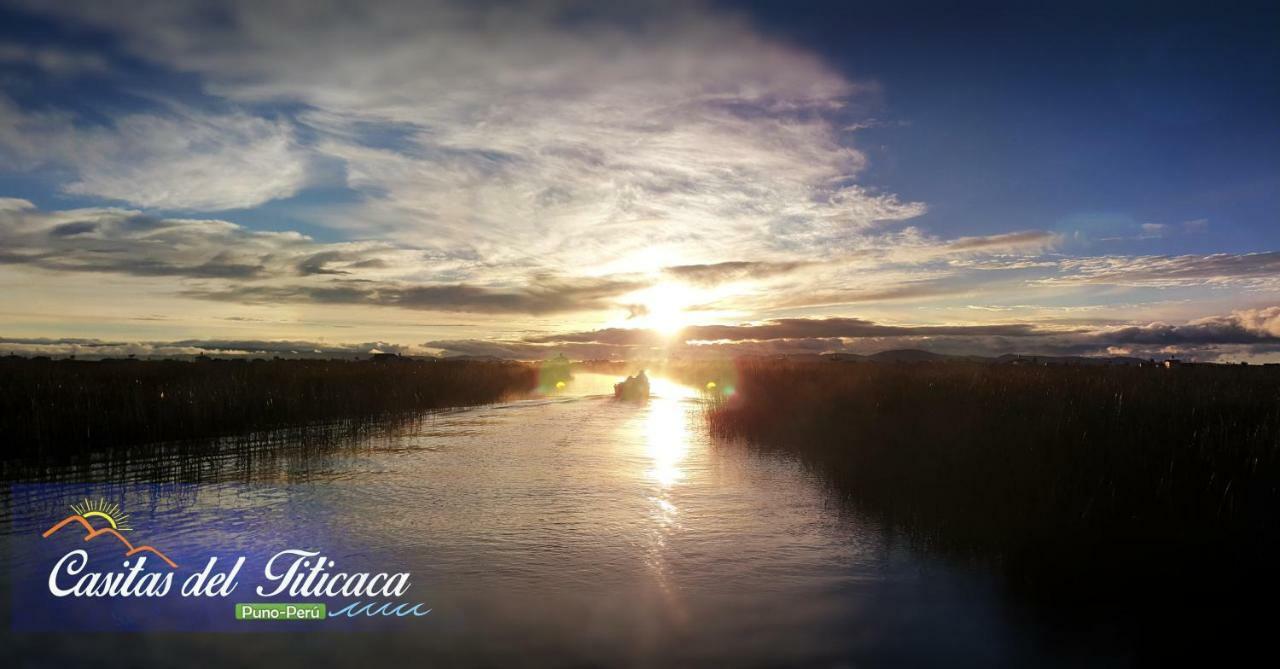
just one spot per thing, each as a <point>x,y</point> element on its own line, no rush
<point>1112,484</point>
<point>58,407</point>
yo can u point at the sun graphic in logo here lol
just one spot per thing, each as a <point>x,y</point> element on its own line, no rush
<point>118,522</point>
<point>101,508</point>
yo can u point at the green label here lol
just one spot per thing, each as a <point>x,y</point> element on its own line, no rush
<point>283,611</point>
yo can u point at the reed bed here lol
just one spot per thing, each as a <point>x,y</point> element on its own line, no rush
<point>61,407</point>
<point>1091,482</point>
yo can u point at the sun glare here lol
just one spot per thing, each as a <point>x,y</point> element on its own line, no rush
<point>665,306</point>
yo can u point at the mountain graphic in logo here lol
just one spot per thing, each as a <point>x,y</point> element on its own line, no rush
<point>116,523</point>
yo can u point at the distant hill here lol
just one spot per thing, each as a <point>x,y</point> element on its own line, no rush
<point>917,355</point>
<point>1010,358</point>
<point>908,355</point>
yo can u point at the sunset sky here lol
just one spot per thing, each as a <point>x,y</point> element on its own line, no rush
<point>328,178</point>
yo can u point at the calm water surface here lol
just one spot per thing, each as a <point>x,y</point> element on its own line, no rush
<point>579,530</point>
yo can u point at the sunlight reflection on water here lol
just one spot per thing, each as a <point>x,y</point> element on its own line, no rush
<point>666,428</point>
<point>598,532</point>
<point>668,432</point>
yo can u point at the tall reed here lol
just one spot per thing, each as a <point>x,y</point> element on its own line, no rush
<point>59,406</point>
<point>1068,476</point>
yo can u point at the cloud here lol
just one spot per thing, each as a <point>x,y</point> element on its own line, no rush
<point>1009,241</point>
<point>566,134</point>
<point>1262,321</point>
<point>1239,334</point>
<point>783,328</point>
<point>327,262</point>
<point>542,294</point>
<point>1256,326</point>
<point>908,290</point>
<point>801,328</point>
<point>252,267</point>
<point>52,60</point>
<point>99,348</point>
<point>528,158</point>
<point>1224,269</point>
<point>526,351</point>
<point>180,159</point>
<point>734,270</point>
<point>781,335</point>
<point>121,241</point>
<point>609,336</point>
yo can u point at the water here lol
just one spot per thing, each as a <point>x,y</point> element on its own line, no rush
<point>580,530</point>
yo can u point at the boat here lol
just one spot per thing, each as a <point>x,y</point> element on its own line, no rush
<point>633,388</point>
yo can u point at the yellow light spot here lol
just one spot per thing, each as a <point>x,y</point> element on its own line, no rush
<point>559,385</point>
<point>711,385</point>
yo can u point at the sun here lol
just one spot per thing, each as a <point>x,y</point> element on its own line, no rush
<point>101,508</point>
<point>665,305</point>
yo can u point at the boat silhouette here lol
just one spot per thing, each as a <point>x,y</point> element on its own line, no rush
<point>633,388</point>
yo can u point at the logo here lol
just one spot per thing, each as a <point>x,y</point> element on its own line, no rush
<point>110,513</point>
<point>283,571</point>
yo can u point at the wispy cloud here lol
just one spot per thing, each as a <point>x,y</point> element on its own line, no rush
<point>1009,241</point>
<point>53,60</point>
<point>582,160</point>
<point>122,241</point>
<point>1171,271</point>
<point>733,270</point>
<point>179,159</point>
<point>518,134</point>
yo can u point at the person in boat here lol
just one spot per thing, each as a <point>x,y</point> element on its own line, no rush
<point>633,387</point>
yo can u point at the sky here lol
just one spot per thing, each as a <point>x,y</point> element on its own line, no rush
<point>639,179</point>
